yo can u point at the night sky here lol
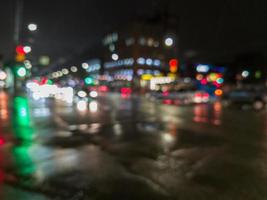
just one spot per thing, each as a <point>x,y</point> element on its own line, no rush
<point>213,29</point>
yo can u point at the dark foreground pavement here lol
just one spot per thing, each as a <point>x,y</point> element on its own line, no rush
<point>134,149</point>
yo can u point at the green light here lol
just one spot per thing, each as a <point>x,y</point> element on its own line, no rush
<point>23,160</point>
<point>220,80</point>
<point>22,112</point>
<point>21,119</point>
<point>89,81</point>
<point>258,74</point>
<point>50,82</point>
<point>21,72</point>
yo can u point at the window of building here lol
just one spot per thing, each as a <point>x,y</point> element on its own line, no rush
<point>150,42</point>
<point>130,41</point>
<point>112,47</point>
<point>142,41</point>
<point>156,44</point>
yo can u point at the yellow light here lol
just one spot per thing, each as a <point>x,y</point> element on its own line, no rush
<point>218,92</point>
<point>213,76</point>
<point>171,75</point>
<point>20,57</point>
<point>147,77</point>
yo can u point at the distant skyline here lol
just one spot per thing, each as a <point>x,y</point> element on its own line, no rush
<point>213,29</point>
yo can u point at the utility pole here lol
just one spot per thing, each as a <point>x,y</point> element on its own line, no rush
<point>18,14</point>
<point>17,20</point>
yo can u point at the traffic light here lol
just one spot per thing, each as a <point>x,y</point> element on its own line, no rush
<point>173,65</point>
<point>20,72</point>
<point>20,54</point>
<point>89,81</point>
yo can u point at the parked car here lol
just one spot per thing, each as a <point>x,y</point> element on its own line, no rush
<point>253,97</point>
<point>182,97</point>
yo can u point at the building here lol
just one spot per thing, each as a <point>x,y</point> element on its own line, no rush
<point>137,53</point>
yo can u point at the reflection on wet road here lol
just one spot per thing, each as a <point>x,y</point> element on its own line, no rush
<point>130,148</point>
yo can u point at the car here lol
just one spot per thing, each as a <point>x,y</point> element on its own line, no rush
<point>243,97</point>
<point>182,97</point>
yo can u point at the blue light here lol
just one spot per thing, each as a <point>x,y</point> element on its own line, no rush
<point>157,63</point>
<point>149,61</point>
<point>203,68</point>
<point>141,61</point>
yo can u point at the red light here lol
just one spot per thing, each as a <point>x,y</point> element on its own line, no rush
<point>206,95</point>
<point>173,62</point>
<point>165,94</point>
<point>2,141</point>
<point>216,84</point>
<point>103,88</point>
<point>167,101</point>
<point>198,95</point>
<point>44,81</point>
<point>126,90</point>
<point>20,50</point>
<point>204,82</point>
<point>173,65</point>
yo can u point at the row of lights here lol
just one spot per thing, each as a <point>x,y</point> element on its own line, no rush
<point>141,61</point>
<point>64,71</point>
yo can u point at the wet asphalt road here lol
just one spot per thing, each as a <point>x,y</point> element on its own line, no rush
<point>132,149</point>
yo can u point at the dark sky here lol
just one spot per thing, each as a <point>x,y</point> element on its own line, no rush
<point>212,28</point>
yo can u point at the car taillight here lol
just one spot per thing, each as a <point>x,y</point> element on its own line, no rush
<point>198,95</point>
<point>167,101</point>
<point>2,141</point>
<point>206,95</point>
<point>165,94</point>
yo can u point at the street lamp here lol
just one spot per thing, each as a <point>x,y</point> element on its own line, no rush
<point>169,41</point>
<point>115,57</point>
<point>32,27</point>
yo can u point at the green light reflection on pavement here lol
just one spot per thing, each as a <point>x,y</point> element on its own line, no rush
<point>22,119</point>
<point>24,133</point>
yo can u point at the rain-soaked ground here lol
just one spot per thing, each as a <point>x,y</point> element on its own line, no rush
<point>119,148</point>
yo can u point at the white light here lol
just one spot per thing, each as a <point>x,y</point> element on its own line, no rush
<point>28,66</point>
<point>141,61</point>
<point>36,96</point>
<point>203,68</point>
<point>32,27</point>
<point>167,138</point>
<point>93,94</point>
<point>32,86</point>
<point>82,94</point>
<point>22,72</point>
<point>74,69</point>
<point>54,75</point>
<point>3,75</point>
<point>160,80</point>
<point>60,74</point>
<point>85,66</point>
<point>157,63</point>
<point>27,49</point>
<point>65,71</point>
<point>169,42</point>
<point>2,83</point>
<point>68,94</point>
<point>245,74</point>
<point>82,106</point>
<point>149,61</point>
<point>93,106</point>
<point>115,57</point>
